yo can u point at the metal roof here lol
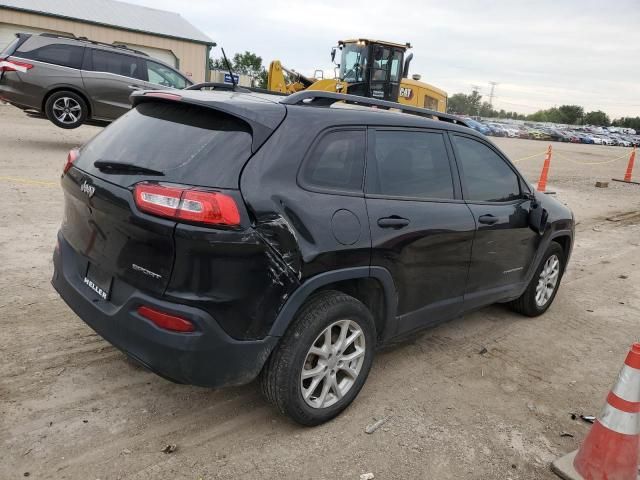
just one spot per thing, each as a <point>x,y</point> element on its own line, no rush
<point>116,14</point>
<point>369,40</point>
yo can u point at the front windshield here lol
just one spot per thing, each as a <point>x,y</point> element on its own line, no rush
<point>353,62</point>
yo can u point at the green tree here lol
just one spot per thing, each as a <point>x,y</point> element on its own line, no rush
<point>463,104</point>
<point>569,114</point>
<point>628,122</point>
<point>246,63</point>
<point>486,110</point>
<point>457,103</point>
<point>597,117</point>
<point>572,114</point>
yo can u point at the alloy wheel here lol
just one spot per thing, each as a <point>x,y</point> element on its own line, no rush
<point>333,364</point>
<point>67,110</point>
<point>548,280</point>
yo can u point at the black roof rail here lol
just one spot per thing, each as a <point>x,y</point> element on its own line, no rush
<point>232,88</point>
<point>57,35</point>
<point>324,99</point>
<point>94,42</point>
<point>218,86</point>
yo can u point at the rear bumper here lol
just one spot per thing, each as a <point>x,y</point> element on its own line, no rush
<point>207,357</point>
<point>16,98</point>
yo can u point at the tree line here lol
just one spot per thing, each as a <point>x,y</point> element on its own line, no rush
<point>473,105</point>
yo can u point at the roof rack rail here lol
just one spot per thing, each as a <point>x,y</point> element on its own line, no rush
<point>232,88</point>
<point>94,42</point>
<point>218,86</point>
<point>324,99</point>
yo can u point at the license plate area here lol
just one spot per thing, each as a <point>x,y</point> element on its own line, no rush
<point>99,281</point>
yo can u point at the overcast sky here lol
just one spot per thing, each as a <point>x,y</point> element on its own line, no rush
<point>542,53</point>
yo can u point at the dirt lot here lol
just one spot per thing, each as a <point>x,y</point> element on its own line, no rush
<point>72,406</point>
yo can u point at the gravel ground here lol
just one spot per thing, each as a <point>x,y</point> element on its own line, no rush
<point>73,407</point>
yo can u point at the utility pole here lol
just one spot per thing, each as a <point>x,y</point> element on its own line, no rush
<point>493,86</point>
<point>476,89</point>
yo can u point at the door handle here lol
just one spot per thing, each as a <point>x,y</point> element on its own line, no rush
<point>487,219</point>
<point>393,222</point>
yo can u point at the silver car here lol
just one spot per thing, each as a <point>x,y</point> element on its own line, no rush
<point>74,80</point>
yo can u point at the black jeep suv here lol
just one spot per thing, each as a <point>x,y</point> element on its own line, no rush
<point>220,236</point>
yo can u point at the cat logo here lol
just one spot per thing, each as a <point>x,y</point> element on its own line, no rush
<point>406,92</point>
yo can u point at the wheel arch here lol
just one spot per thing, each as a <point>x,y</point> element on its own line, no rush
<point>373,286</point>
<point>67,88</point>
<point>564,239</point>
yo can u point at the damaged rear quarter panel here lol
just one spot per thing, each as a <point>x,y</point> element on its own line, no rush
<point>236,276</point>
<point>296,223</point>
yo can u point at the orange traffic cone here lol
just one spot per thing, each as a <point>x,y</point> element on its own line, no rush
<point>610,450</point>
<point>632,159</point>
<point>542,183</point>
<point>629,172</point>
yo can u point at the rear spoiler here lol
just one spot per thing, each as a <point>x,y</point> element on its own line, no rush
<point>262,117</point>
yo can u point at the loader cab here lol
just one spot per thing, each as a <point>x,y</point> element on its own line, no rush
<point>371,68</point>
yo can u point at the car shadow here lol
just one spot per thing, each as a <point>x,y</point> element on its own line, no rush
<point>50,144</point>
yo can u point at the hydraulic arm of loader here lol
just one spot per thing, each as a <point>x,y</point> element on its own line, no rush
<point>286,81</point>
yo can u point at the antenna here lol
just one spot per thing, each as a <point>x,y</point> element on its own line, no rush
<point>226,60</point>
<point>493,86</point>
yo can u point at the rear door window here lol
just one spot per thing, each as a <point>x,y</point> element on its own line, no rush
<point>160,75</point>
<point>188,144</point>
<point>336,162</point>
<point>117,63</point>
<point>42,50</point>
<point>409,164</point>
<point>487,177</point>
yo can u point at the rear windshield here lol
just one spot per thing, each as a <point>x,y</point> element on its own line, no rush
<point>8,49</point>
<point>188,144</point>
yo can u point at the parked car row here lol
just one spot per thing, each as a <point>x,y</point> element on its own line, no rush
<point>572,134</point>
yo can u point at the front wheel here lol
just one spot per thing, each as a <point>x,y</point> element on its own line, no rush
<point>66,109</point>
<point>542,289</point>
<point>323,360</point>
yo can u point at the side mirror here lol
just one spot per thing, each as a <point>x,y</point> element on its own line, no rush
<point>333,54</point>
<point>538,216</point>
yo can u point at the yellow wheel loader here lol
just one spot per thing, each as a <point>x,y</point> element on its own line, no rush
<point>369,68</point>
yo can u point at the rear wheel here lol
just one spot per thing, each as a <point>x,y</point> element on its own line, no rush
<point>66,109</point>
<point>323,360</point>
<point>542,289</point>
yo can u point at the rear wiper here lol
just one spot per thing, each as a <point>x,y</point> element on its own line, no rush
<point>112,167</point>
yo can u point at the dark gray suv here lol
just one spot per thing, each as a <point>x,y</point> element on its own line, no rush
<point>74,80</point>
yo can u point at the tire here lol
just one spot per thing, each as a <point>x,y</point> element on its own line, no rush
<point>528,303</point>
<point>66,109</point>
<point>281,379</point>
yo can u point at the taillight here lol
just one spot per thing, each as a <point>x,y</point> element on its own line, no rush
<point>186,203</point>
<point>14,66</point>
<point>166,321</point>
<point>72,156</point>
